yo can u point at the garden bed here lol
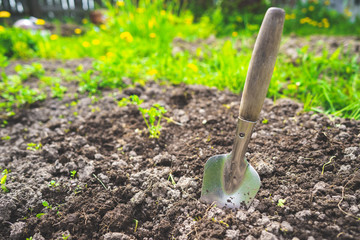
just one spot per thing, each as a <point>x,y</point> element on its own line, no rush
<point>129,186</point>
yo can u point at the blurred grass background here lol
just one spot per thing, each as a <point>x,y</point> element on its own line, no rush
<point>201,44</point>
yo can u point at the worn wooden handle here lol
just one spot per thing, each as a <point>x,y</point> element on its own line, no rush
<point>262,64</point>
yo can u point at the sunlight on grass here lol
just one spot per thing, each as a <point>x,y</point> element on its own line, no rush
<point>137,42</point>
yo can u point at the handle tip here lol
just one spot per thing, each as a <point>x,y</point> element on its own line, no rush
<point>276,11</point>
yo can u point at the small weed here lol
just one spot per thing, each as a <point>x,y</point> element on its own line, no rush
<point>265,121</point>
<point>327,163</point>
<point>4,123</point>
<point>29,238</point>
<point>6,138</point>
<point>39,215</point>
<point>78,189</point>
<point>281,202</point>
<point>65,237</point>
<point>34,147</point>
<point>133,99</point>
<point>73,174</point>
<point>46,204</point>
<point>220,221</point>
<point>58,91</point>
<point>53,184</point>
<point>152,116</point>
<point>171,178</point>
<point>5,173</point>
<point>136,225</point>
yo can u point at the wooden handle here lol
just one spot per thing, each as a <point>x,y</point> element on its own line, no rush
<point>262,64</point>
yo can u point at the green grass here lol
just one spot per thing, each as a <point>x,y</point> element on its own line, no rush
<point>137,43</point>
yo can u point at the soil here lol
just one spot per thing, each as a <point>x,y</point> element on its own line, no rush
<point>123,190</point>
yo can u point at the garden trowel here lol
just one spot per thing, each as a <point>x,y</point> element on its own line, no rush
<point>229,180</point>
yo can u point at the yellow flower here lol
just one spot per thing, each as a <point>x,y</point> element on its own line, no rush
<point>126,36</point>
<point>193,67</point>
<point>86,44</point>
<point>311,8</point>
<point>102,26</point>
<point>95,41</point>
<point>77,31</point>
<point>4,14</point>
<point>326,22</point>
<point>120,3</point>
<point>312,22</point>
<point>53,37</point>
<point>152,72</point>
<point>152,22</point>
<point>171,18</point>
<point>305,20</point>
<point>140,10</point>
<point>347,12</point>
<point>162,12</point>
<point>188,20</point>
<point>102,58</point>
<point>320,25</point>
<point>234,34</point>
<point>327,2</point>
<point>152,35</point>
<point>40,21</point>
<point>84,21</point>
<point>2,29</point>
<point>110,54</point>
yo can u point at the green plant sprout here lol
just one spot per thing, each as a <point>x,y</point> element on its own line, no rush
<point>5,173</point>
<point>171,178</point>
<point>327,163</point>
<point>73,174</point>
<point>6,138</point>
<point>65,237</point>
<point>53,184</point>
<point>39,215</point>
<point>26,71</point>
<point>4,123</point>
<point>281,202</point>
<point>136,225</point>
<point>58,91</point>
<point>152,116</point>
<point>133,99</point>
<point>46,204</point>
<point>34,147</point>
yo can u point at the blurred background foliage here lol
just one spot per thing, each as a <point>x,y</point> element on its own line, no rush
<point>181,42</point>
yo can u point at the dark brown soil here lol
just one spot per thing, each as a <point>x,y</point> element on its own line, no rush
<point>122,188</point>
